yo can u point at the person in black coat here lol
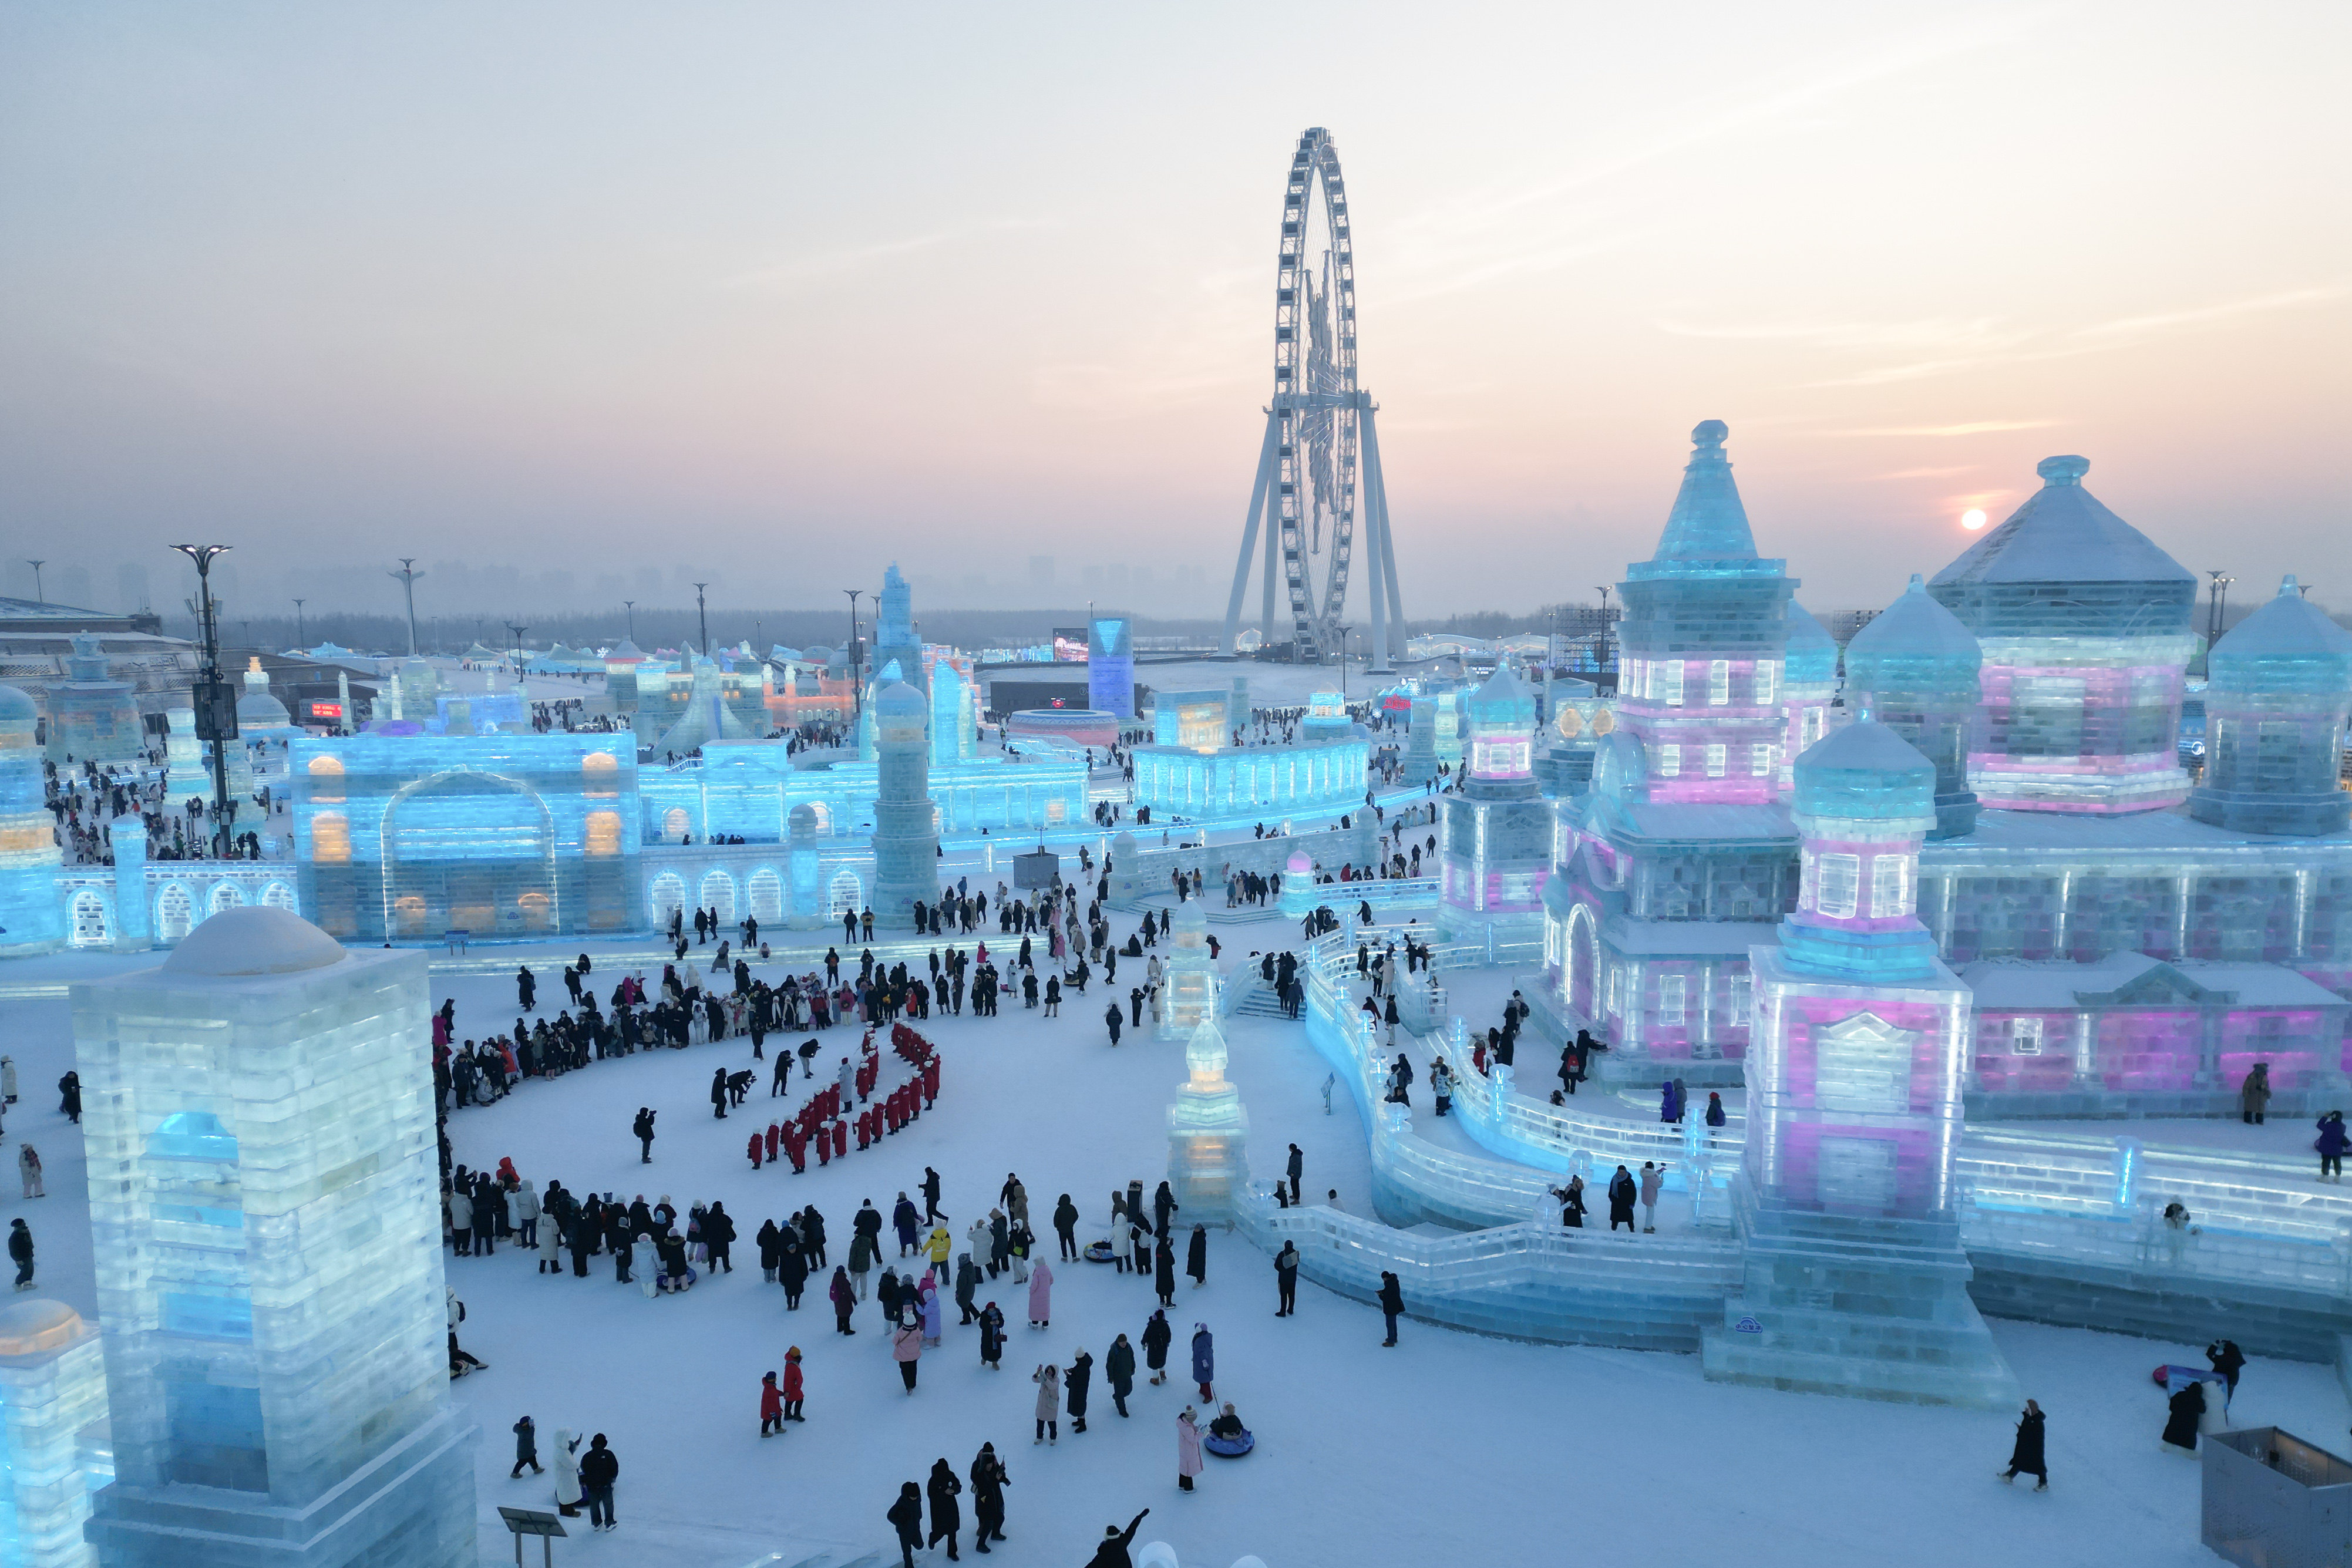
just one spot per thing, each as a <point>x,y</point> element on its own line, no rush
<point>906,1515</point>
<point>1163,1272</point>
<point>1157,1337</point>
<point>1286,1279</point>
<point>2187,1409</point>
<point>526,987</point>
<point>643,1126</point>
<point>1391,1304</point>
<point>599,1468</point>
<point>1065,1224</point>
<point>2025,1458</point>
<point>718,1236</point>
<point>1622,1193</point>
<point>1119,1372</point>
<point>1163,1203</point>
<point>1113,1019</point>
<point>992,1336</point>
<point>2229,1361</point>
<point>1196,1257</point>
<point>791,1266</point>
<point>1113,1553</point>
<point>1295,1170</point>
<point>988,1480</point>
<point>1074,1390</point>
<point>947,1514</point>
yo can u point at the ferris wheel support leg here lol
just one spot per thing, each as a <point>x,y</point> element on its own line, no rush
<point>1388,613</point>
<point>1257,506</point>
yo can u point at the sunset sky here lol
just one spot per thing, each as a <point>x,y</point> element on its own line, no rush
<point>779,293</point>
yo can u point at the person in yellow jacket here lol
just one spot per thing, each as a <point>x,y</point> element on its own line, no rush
<point>937,1248</point>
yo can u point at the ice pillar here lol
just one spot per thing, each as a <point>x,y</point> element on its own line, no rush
<point>133,930</point>
<point>31,920</point>
<point>1207,1131</point>
<point>52,1410</point>
<point>906,837</point>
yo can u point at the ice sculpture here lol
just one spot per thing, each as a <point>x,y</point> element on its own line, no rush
<point>2085,627</point>
<point>1848,1206</point>
<point>708,717</point>
<point>1809,673</point>
<point>1298,897</point>
<point>93,717</point>
<point>31,920</point>
<point>264,1216</point>
<point>2275,714</point>
<point>1207,1131</point>
<point>1914,669</point>
<point>1190,985</point>
<point>896,641</point>
<point>1435,734</point>
<point>1497,846</point>
<point>906,832</point>
<point>1704,632</point>
<point>190,771</point>
<point>954,717</point>
<point>808,902</point>
<point>1239,782</point>
<point>133,928</point>
<point>52,1417</point>
<point>259,713</point>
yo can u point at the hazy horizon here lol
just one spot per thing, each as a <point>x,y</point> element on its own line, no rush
<point>772,299</point>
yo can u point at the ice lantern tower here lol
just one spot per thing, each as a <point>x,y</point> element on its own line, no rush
<point>1192,979</point>
<point>1853,1278</point>
<point>1496,848</point>
<point>266,1224</point>
<point>2274,718</point>
<point>2084,627</point>
<point>1706,629</point>
<point>906,831</point>
<point>1207,1130</point>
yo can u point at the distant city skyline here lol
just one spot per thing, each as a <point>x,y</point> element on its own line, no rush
<point>777,297</point>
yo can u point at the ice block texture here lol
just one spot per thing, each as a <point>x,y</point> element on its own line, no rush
<point>264,1214</point>
<point>2275,712</point>
<point>52,1403</point>
<point>1914,669</point>
<point>906,835</point>
<point>1207,1131</point>
<point>31,918</point>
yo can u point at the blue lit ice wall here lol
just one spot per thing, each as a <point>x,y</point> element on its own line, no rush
<point>906,837</point>
<point>405,836</point>
<point>267,1242</point>
<point>30,917</point>
<point>1248,780</point>
<point>1808,681</point>
<point>1495,850</point>
<point>1914,669</point>
<point>2275,713</point>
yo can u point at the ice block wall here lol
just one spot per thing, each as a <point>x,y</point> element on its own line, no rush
<point>31,919</point>
<point>1914,669</point>
<point>906,835</point>
<point>2275,712</point>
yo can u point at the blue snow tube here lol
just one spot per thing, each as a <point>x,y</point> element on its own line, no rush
<point>1230,1448</point>
<point>1101,1252</point>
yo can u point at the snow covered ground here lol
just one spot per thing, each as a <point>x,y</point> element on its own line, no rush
<point>1450,1448</point>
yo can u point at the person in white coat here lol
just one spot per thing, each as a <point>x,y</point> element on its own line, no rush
<point>28,1166</point>
<point>1048,1379</point>
<point>525,1217</point>
<point>8,1080</point>
<point>1654,1177</point>
<point>567,1472</point>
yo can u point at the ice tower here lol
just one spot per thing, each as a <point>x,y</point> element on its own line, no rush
<point>954,719</point>
<point>1914,669</point>
<point>264,1214</point>
<point>1854,1281</point>
<point>2275,713</point>
<point>1192,982</point>
<point>52,1415</point>
<point>1497,847</point>
<point>1705,631</point>
<point>93,717</point>
<point>30,917</point>
<point>2084,627</point>
<point>1207,1130</point>
<point>894,631</point>
<point>1808,681</point>
<point>906,831</point>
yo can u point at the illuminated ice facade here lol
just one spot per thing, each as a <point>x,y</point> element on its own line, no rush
<point>402,837</point>
<point>2125,962</point>
<point>94,718</point>
<point>1189,991</point>
<point>52,1433</point>
<point>906,835</point>
<point>1198,721</point>
<point>1208,1131</point>
<point>747,789</point>
<point>31,920</point>
<point>1434,733</point>
<point>955,717</point>
<point>1193,775</point>
<point>1809,674</point>
<point>2280,687</point>
<point>1853,1280</point>
<point>1494,848</point>
<point>2084,627</point>
<point>265,1219</point>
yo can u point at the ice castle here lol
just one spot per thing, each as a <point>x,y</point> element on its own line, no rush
<point>2125,947</point>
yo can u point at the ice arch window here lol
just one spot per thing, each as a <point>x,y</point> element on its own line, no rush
<point>719,894</point>
<point>88,918</point>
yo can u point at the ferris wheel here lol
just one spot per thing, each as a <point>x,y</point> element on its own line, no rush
<point>1320,457</point>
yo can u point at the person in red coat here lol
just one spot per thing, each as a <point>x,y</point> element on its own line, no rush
<point>776,1134</point>
<point>771,1407</point>
<point>793,1385</point>
<point>841,1139</point>
<point>796,1147</point>
<point>824,1147</point>
<point>759,1146</point>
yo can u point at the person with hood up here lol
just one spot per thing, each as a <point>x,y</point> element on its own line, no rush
<point>1040,1295</point>
<point>2254,1094</point>
<point>1157,1337</point>
<point>843,1299</point>
<point>2188,1410</point>
<point>600,1470</point>
<point>1188,1449</point>
<point>906,1515</point>
<point>1075,1381</point>
<point>1112,1552</point>
<point>2331,1144</point>
<point>992,1337</point>
<point>947,1514</point>
<point>1204,1360</point>
<point>1286,1279</point>
<point>1048,1379</point>
<point>793,1388</point>
<point>2026,1457</point>
<point>28,1170</point>
<point>1163,1271</point>
<point>907,1348</point>
<point>567,1473</point>
<point>525,1450</point>
<point>1196,1257</point>
<point>967,1289</point>
<point>936,1247</point>
<point>1066,1223</point>
<point>929,1294</point>
<point>1654,1180</point>
<point>771,1407</point>
<point>1391,1304</point>
<point>988,1480</point>
<point>1119,1372</point>
<point>719,1237</point>
<point>904,1219</point>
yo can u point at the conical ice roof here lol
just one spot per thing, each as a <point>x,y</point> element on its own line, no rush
<point>1708,523</point>
<point>2288,644</point>
<point>1914,645</point>
<point>1812,653</point>
<point>2063,534</point>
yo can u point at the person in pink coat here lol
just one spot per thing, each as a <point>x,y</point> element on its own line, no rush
<point>1040,1295</point>
<point>907,1349</point>
<point>1188,1451</point>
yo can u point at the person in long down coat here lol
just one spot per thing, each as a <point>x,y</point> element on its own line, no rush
<point>947,1514</point>
<point>992,1336</point>
<point>844,1298</point>
<point>791,1266</point>
<point>906,1515</point>
<point>1118,1370</point>
<point>1040,1295</point>
<point>988,1483</point>
<point>1163,1272</point>
<point>567,1472</point>
<point>1048,1379</point>
<point>2187,1409</point>
<point>1074,1389</point>
<point>1204,1360</point>
<point>2025,1458</point>
<point>1188,1449</point>
<point>1157,1337</point>
<point>1196,1257</point>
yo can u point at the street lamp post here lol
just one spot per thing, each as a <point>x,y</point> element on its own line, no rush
<point>518,629</point>
<point>702,618</point>
<point>216,701</point>
<point>1601,646</point>
<point>857,663</point>
<point>407,576</point>
<point>37,566</point>
<point>2218,598</point>
<point>629,608</point>
<point>298,638</point>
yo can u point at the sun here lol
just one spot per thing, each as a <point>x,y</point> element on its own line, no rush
<point>1972,519</point>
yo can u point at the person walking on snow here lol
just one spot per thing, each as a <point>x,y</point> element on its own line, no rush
<point>643,1126</point>
<point>1196,1257</point>
<point>1205,1361</point>
<point>947,1514</point>
<point>907,1348</point>
<point>2025,1457</point>
<point>2331,1144</point>
<point>1119,1372</point>
<point>1286,1279</point>
<point>525,1450</point>
<point>1188,1449</point>
<point>29,1169</point>
<point>771,1407</point>
<point>1048,1379</point>
<point>906,1515</point>
<point>988,1483</point>
<point>1040,1295</point>
<point>1075,1385</point>
<point>1157,1337</point>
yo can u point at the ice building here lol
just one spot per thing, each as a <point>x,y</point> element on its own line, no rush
<point>906,831</point>
<point>2126,956</point>
<point>1434,733</point>
<point>1495,847</point>
<point>93,717</point>
<point>896,641</point>
<point>707,716</point>
<point>1809,671</point>
<point>2276,702</point>
<point>30,920</point>
<point>52,1433</point>
<point>1200,720</point>
<point>401,838</point>
<point>955,717</point>
<point>1189,989</point>
<point>1239,782</point>
<point>2085,628</point>
<point>263,1211</point>
<point>1208,1131</point>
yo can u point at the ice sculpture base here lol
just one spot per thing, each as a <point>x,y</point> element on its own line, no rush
<point>1869,1309</point>
<point>412,1506</point>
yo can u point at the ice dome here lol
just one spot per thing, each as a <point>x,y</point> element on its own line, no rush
<point>1865,770</point>
<point>1708,523</point>
<point>2288,644</point>
<point>1298,865</point>
<point>28,1328</point>
<point>2064,534</point>
<point>1503,702</point>
<point>899,700</point>
<point>1621,770</point>
<point>255,940</point>
<point>258,709</point>
<point>15,707</point>
<point>1812,653</point>
<point>1914,645</point>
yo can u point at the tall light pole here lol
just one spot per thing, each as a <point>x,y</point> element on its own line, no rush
<point>702,618</point>
<point>856,661</point>
<point>518,629</point>
<point>407,576</point>
<point>298,638</point>
<point>216,701</point>
<point>37,566</point>
<point>629,608</point>
<point>2218,596</point>
<point>1601,647</point>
